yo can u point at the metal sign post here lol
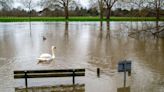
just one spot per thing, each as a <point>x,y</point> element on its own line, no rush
<point>125,74</point>
<point>124,66</point>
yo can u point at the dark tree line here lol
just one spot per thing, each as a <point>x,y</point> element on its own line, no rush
<point>102,8</point>
<point>17,12</point>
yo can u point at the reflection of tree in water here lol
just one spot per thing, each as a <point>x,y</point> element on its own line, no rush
<point>30,28</point>
<point>159,30</point>
<point>101,25</point>
<point>108,30</point>
<point>66,38</point>
<point>66,34</point>
<point>108,49</point>
<point>102,54</point>
<point>101,30</point>
<point>146,29</point>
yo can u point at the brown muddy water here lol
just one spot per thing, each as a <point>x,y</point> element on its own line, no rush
<point>88,45</point>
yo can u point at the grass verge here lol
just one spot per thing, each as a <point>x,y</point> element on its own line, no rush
<point>54,19</point>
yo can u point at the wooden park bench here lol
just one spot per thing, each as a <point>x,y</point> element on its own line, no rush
<point>48,73</point>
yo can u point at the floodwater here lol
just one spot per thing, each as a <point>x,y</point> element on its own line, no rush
<point>88,45</point>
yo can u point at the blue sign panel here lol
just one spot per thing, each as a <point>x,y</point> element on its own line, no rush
<point>124,66</point>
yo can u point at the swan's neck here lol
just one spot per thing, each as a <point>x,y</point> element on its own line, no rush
<point>53,53</point>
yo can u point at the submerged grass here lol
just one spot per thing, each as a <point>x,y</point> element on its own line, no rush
<point>25,19</point>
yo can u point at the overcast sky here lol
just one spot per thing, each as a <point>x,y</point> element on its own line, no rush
<point>84,3</point>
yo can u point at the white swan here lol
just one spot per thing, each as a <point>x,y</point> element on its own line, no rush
<point>46,56</point>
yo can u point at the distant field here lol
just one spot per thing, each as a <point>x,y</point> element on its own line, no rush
<point>25,19</point>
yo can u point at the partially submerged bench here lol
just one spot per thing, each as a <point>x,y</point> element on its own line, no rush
<point>48,73</point>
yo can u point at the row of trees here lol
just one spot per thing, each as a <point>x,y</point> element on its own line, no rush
<point>139,4</point>
<point>96,7</point>
<point>66,4</point>
<point>18,12</point>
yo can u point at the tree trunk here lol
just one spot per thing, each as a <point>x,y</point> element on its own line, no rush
<point>101,9</point>
<point>101,25</point>
<point>157,5</point>
<point>66,28</point>
<point>108,13</point>
<point>157,15</point>
<point>66,12</point>
<point>108,29</point>
<point>101,13</point>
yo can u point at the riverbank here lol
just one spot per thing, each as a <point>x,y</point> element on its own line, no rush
<point>35,19</point>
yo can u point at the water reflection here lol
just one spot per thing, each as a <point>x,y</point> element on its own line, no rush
<point>66,40</point>
<point>159,30</point>
<point>108,29</point>
<point>30,28</point>
<point>157,26</point>
<point>101,25</point>
<point>142,30</point>
<point>58,88</point>
<point>101,30</point>
<point>66,29</point>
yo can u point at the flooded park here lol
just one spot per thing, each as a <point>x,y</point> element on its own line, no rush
<point>88,45</point>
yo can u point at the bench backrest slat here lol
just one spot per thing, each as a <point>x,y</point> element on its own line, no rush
<point>49,73</point>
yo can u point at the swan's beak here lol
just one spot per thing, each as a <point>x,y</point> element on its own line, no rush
<point>53,47</point>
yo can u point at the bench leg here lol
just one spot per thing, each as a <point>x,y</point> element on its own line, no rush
<point>26,80</point>
<point>73,80</point>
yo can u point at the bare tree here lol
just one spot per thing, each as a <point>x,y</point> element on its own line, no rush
<point>140,4</point>
<point>62,4</point>
<point>6,4</point>
<point>101,7</point>
<point>157,5</point>
<point>29,5</point>
<point>109,4</point>
<point>99,4</point>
